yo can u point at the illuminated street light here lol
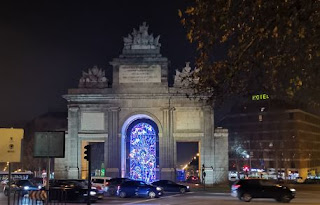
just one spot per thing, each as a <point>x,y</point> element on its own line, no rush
<point>185,167</point>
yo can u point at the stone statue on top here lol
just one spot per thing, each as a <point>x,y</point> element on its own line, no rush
<point>185,77</point>
<point>94,78</point>
<point>140,39</point>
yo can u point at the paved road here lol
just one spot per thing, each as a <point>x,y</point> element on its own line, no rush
<point>201,198</point>
<point>304,197</point>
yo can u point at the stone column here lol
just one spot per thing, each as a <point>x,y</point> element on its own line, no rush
<point>221,165</point>
<point>167,146</point>
<point>113,144</point>
<point>207,148</point>
<point>72,149</point>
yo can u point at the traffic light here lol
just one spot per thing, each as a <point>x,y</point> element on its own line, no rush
<point>87,152</point>
<point>245,168</point>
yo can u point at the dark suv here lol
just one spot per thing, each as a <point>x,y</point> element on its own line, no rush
<point>246,189</point>
<point>112,185</point>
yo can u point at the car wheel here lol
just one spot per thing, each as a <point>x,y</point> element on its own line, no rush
<point>152,194</point>
<point>246,197</point>
<point>285,198</point>
<point>122,194</point>
<point>112,192</point>
<point>182,190</point>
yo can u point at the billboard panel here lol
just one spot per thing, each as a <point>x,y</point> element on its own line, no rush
<point>49,144</point>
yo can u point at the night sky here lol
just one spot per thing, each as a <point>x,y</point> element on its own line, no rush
<point>45,46</point>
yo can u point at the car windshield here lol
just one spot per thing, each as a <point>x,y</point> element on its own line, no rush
<point>99,181</point>
<point>71,184</point>
<point>170,182</point>
<point>24,183</point>
<point>142,183</point>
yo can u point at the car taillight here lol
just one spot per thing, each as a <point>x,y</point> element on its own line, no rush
<point>236,186</point>
<point>99,187</point>
<point>107,183</point>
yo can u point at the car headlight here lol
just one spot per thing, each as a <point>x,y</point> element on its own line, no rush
<point>93,193</point>
<point>293,190</point>
<point>26,188</point>
<point>39,187</point>
<point>188,187</point>
<point>158,188</point>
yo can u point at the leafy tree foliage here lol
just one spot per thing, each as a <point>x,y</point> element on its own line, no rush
<point>247,47</point>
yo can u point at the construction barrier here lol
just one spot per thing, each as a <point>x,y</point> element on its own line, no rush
<point>40,195</point>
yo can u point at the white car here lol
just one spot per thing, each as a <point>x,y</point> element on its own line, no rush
<point>100,183</point>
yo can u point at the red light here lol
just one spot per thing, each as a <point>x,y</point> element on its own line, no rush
<point>107,183</point>
<point>236,186</point>
<point>246,168</point>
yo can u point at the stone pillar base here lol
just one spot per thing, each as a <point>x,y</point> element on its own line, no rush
<point>73,173</point>
<point>112,172</point>
<point>217,176</point>
<point>168,174</point>
<point>60,174</point>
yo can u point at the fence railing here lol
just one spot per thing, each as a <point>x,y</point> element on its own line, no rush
<point>40,197</point>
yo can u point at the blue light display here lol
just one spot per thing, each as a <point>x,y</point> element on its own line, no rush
<point>143,152</point>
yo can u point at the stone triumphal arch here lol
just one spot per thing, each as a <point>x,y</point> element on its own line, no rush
<point>138,118</point>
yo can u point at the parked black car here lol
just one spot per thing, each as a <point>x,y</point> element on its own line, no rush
<point>139,189</point>
<point>112,185</point>
<point>171,186</point>
<point>246,189</point>
<point>75,190</point>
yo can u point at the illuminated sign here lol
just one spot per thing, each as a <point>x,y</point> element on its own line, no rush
<point>260,97</point>
<point>10,144</point>
<point>103,172</point>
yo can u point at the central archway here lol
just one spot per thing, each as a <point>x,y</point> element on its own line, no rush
<point>140,148</point>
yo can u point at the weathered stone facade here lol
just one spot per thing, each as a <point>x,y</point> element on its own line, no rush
<point>139,90</point>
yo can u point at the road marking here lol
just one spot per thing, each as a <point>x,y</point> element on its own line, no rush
<point>136,202</point>
<point>146,200</point>
<point>221,194</point>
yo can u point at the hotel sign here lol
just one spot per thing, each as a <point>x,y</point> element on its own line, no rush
<point>260,97</point>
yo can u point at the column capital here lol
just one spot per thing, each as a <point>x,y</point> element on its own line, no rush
<point>114,109</point>
<point>207,107</point>
<point>168,108</point>
<point>73,108</point>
